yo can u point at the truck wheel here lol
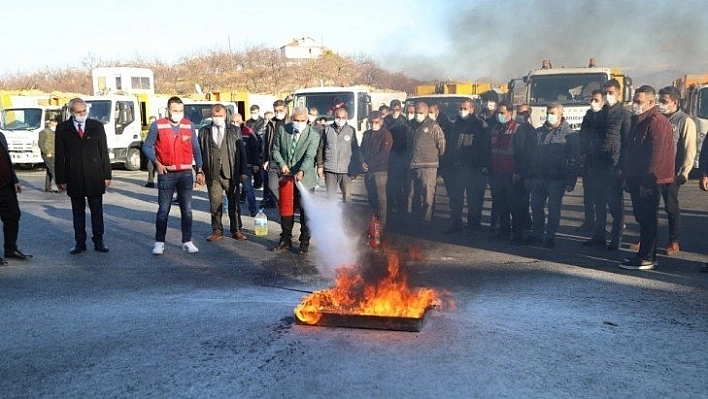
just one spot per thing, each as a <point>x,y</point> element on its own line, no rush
<point>132,159</point>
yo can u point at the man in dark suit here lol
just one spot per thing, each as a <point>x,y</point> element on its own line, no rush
<point>224,164</point>
<point>83,169</point>
<point>9,207</point>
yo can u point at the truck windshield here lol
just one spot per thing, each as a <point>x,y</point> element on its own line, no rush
<point>99,110</point>
<point>448,105</point>
<point>327,103</point>
<point>702,109</point>
<point>566,89</point>
<point>200,114</point>
<point>21,119</point>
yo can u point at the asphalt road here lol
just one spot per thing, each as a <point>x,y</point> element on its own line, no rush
<point>529,322</point>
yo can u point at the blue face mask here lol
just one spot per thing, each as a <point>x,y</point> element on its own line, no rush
<point>501,119</point>
<point>551,119</point>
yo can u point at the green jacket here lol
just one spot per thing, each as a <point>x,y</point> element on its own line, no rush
<point>303,158</point>
<point>46,141</point>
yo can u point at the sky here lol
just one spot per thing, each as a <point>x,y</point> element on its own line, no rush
<point>428,40</point>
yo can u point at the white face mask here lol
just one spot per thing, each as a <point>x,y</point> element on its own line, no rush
<point>81,118</point>
<point>299,126</point>
<point>53,128</point>
<point>396,114</point>
<point>410,116</point>
<point>280,116</point>
<point>176,117</point>
<point>219,121</point>
<point>464,114</point>
<point>376,127</point>
<point>420,117</point>
<point>432,116</point>
<point>340,122</point>
<point>595,106</point>
<point>663,108</point>
<point>610,99</point>
<point>551,119</point>
<point>254,117</point>
<point>637,109</point>
<point>311,118</point>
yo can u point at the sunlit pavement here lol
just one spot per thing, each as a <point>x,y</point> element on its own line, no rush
<point>528,321</point>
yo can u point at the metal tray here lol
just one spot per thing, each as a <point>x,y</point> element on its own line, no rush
<point>348,320</point>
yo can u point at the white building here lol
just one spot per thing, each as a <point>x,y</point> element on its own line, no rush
<point>302,49</point>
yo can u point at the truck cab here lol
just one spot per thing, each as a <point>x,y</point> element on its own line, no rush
<point>356,100</point>
<point>695,104</point>
<point>120,116</point>
<point>21,127</point>
<point>571,87</point>
<point>199,112</point>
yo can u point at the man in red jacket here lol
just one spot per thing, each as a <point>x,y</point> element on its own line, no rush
<point>648,166</point>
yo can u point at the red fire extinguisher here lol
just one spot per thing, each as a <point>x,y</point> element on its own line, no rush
<point>374,232</point>
<point>286,186</point>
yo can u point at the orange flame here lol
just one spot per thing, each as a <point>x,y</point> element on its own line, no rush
<point>390,296</point>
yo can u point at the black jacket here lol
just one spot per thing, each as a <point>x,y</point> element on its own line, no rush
<point>82,163</point>
<point>469,144</point>
<point>271,129</point>
<point>608,150</point>
<point>556,153</point>
<point>235,149</point>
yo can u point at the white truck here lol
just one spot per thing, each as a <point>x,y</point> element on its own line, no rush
<point>21,126</point>
<point>357,100</point>
<point>694,99</point>
<point>571,87</point>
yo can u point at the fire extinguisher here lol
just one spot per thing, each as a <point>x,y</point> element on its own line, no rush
<point>374,232</point>
<point>286,185</point>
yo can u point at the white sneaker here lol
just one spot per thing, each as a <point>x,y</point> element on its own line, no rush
<point>190,247</point>
<point>159,248</point>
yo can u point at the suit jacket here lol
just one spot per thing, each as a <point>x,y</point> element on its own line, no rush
<point>303,158</point>
<point>82,163</point>
<point>234,147</point>
<point>3,142</point>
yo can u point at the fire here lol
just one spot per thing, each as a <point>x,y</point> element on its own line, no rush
<point>388,296</point>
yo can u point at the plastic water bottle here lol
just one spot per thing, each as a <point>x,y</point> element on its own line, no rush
<point>261,224</point>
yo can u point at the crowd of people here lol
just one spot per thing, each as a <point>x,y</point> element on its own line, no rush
<point>646,152</point>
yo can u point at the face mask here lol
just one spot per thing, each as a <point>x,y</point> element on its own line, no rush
<point>218,120</point>
<point>311,118</point>
<point>81,118</point>
<point>176,116</point>
<point>501,118</point>
<point>610,99</point>
<point>254,117</point>
<point>340,122</point>
<point>410,116</point>
<point>595,107</point>
<point>663,108</point>
<point>299,126</point>
<point>280,116</point>
<point>420,117</point>
<point>551,119</point>
<point>432,116</point>
<point>376,127</point>
<point>491,105</point>
<point>464,114</point>
<point>521,118</point>
<point>637,109</point>
<point>396,114</point>
<point>53,128</point>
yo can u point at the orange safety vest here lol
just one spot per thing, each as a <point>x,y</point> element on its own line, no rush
<point>175,152</point>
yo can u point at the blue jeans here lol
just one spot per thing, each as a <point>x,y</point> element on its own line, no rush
<point>543,191</point>
<point>183,183</point>
<point>248,189</point>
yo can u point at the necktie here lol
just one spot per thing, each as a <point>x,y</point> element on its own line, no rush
<point>293,145</point>
<point>219,136</point>
<point>81,132</point>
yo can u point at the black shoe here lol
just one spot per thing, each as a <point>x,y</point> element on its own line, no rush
<point>304,249</point>
<point>283,246</point>
<point>452,230</point>
<point>16,254</point>
<point>531,240</point>
<point>549,243</point>
<point>516,242</point>
<point>500,235</point>
<point>595,240</point>
<point>3,262</point>
<point>585,227</point>
<point>613,245</point>
<point>100,247</point>
<point>150,184</point>
<point>637,263</point>
<point>78,248</point>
